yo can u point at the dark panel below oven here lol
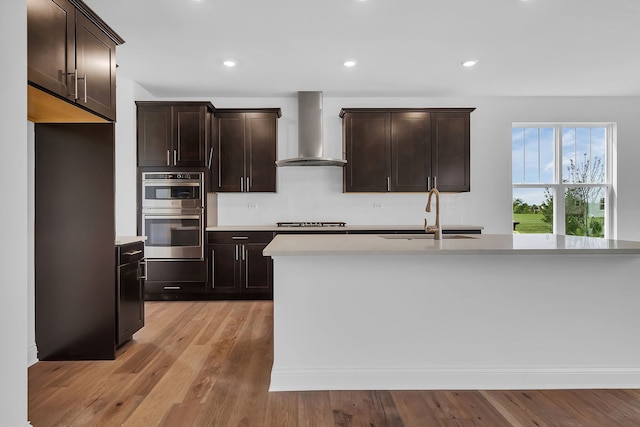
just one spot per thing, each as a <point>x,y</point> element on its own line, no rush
<point>176,270</point>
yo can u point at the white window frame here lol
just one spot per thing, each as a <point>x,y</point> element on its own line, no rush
<point>558,188</point>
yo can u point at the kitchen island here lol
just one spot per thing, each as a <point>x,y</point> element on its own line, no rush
<point>467,312</point>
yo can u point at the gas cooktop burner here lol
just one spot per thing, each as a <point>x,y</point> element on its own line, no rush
<point>311,224</point>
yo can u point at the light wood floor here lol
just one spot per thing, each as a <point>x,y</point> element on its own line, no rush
<point>208,364</point>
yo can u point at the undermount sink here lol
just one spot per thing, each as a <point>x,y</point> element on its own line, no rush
<point>425,236</point>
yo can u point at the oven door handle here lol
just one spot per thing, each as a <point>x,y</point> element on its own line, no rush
<point>172,184</point>
<point>171,216</point>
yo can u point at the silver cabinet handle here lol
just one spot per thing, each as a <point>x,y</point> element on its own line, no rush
<point>236,252</point>
<point>175,157</point>
<point>239,237</point>
<point>85,87</point>
<point>213,266</point>
<point>139,251</point>
<point>428,183</point>
<point>168,158</point>
<point>210,157</point>
<point>248,184</point>
<point>142,266</point>
<point>435,185</point>
<point>84,79</point>
<point>241,185</point>
<point>388,183</point>
<point>246,271</point>
<point>171,288</point>
<point>75,77</point>
<point>243,252</point>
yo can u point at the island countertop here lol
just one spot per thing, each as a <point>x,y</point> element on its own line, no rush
<point>485,244</point>
<point>347,228</point>
<point>123,240</point>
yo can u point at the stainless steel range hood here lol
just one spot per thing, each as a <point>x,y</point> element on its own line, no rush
<point>310,150</point>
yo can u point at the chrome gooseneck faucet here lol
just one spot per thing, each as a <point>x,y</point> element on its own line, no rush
<point>436,230</point>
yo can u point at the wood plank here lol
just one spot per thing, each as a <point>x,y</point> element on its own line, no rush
<point>314,409</point>
<point>200,364</point>
<point>283,409</point>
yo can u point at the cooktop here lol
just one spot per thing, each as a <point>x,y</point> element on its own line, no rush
<point>311,224</point>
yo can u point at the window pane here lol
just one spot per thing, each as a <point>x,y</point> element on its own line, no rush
<point>584,211</point>
<point>583,155</point>
<point>532,210</point>
<point>546,155</point>
<point>532,155</point>
<point>531,164</point>
<point>517,155</point>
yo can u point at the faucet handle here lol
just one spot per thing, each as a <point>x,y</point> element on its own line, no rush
<point>425,224</point>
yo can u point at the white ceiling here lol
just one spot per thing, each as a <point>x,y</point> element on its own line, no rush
<point>403,47</point>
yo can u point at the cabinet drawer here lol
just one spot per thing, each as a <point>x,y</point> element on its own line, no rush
<point>130,252</point>
<point>239,237</point>
<point>301,230</point>
<point>153,287</point>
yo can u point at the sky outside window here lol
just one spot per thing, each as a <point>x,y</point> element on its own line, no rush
<point>532,155</point>
<point>583,146</point>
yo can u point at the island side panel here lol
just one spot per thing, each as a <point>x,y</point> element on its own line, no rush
<point>456,322</point>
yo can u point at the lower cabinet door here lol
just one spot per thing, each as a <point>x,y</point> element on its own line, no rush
<point>130,302</point>
<point>223,268</point>
<point>258,270</point>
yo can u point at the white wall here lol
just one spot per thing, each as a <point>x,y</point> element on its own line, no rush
<point>127,93</point>
<point>13,251</point>
<point>315,193</point>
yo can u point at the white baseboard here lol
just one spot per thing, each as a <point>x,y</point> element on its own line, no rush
<point>32,355</point>
<point>454,379</point>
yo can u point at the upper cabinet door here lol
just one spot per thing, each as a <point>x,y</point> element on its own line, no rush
<point>230,152</point>
<point>51,45</point>
<point>173,133</point>
<point>260,158</point>
<point>245,150</point>
<point>190,133</point>
<point>451,151</point>
<point>410,151</point>
<point>154,135</point>
<point>96,68</point>
<point>367,145</point>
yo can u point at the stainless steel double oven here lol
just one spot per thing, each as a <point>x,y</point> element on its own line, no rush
<point>172,215</point>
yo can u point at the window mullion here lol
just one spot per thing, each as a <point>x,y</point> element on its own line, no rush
<point>559,209</point>
<point>558,192</point>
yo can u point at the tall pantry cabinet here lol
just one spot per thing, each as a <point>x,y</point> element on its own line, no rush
<point>71,99</point>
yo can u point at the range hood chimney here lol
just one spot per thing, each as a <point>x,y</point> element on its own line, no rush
<point>310,151</point>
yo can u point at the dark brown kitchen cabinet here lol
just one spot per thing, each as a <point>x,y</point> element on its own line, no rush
<point>129,290</point>
<point>450,150</point>
<point>406,150</point>
<point>71,54</point>
<point>174,133</point>
<point>245,150</point>
<point>236,267</point>
<point>367,139</point>
<point>75,274</point>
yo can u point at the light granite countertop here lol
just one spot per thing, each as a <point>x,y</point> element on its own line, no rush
<point>485,244</point>
<point>345,228</point>
<point>123,240</point>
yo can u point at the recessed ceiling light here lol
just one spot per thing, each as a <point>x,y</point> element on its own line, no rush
<point>470,63</point>
<point>229,63</point>
<point>350,63</point>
